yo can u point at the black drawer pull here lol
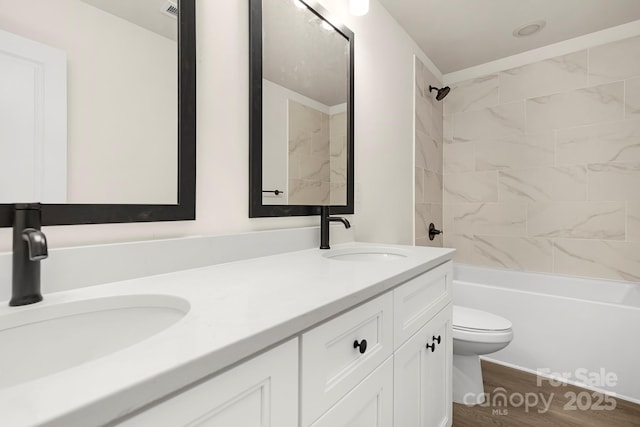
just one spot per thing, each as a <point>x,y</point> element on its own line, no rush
<point>432,347</point>
<point>437,339</point>
<point>361,346</point>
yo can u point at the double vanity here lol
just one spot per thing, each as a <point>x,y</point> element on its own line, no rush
<point>356,335</point>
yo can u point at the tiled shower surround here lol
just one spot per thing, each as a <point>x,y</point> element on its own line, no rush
<point>317,156</point>
<point>428,156</point>
<point>542,165</point>
<point>338,158</point>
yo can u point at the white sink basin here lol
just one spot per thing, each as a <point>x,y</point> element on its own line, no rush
<point>369,254</point>
<point>41,340</point>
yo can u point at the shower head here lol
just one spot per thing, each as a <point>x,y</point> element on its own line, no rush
<point>441,92</point>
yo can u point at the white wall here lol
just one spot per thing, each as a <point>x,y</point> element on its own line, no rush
<point>383,121</point>
<point>384,163</point>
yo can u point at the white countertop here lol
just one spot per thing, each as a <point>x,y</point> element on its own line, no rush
<point>236,310</point>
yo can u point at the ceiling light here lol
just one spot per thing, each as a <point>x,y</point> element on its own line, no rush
<point>529,29</point>
<point>358,7</point>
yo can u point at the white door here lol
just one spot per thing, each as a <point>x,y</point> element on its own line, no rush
<point>33,121</point>
<point>422,376</point>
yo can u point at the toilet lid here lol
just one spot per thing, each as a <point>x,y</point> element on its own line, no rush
<point>477,320</point>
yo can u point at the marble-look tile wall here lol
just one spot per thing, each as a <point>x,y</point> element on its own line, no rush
<point>317,156</point>
<point>338,158</point>
<point>309,165</point>
<point>542,165</point>
<point>428,156</point>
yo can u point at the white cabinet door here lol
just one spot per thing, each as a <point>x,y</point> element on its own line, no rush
<point>422,376</point>
<point>262,392</point>
<point>419,299</point>
<point>370,404</point>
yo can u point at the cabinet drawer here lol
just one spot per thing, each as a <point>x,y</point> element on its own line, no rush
<point>331,366</point>
<point>260,392</point>
<point>419,299</point>
<point>369,404</point>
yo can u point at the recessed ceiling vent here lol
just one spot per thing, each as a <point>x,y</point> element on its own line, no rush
<point>170,8</point>
<point>529,29</point>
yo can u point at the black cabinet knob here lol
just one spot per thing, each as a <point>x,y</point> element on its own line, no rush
<point>432,347</point>
<point>437,339</point>
<point>361,346</point>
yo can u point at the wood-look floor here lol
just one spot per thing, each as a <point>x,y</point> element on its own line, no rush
<point>559,413</point>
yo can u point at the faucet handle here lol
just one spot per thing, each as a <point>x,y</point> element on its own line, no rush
<point>37,243</point>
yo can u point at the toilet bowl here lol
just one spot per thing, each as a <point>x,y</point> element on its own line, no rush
<point>475,333</point>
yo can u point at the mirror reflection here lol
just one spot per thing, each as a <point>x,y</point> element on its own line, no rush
<point>88,104</point>
<point>304,90</point>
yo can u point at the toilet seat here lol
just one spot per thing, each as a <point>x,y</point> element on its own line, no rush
<point>480,326</point>
<point>488,337</point>
<point>469,319</point>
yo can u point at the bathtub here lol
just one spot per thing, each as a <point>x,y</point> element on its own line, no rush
<point>582,331</point>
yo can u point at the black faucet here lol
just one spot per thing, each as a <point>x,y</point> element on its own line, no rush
<point>324,226</point>
<point>29,248</point>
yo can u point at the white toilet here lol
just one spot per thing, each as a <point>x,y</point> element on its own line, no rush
<point>475,332</point>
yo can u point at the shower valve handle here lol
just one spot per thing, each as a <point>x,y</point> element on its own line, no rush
<point>433,231</point>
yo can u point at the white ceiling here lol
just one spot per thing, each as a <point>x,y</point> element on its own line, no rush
<point>458,34</point>
<point>145,13</point>
<point>301,55</point>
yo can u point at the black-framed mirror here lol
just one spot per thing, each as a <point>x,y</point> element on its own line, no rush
<point>301,149</point>
<point>170,26</point>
